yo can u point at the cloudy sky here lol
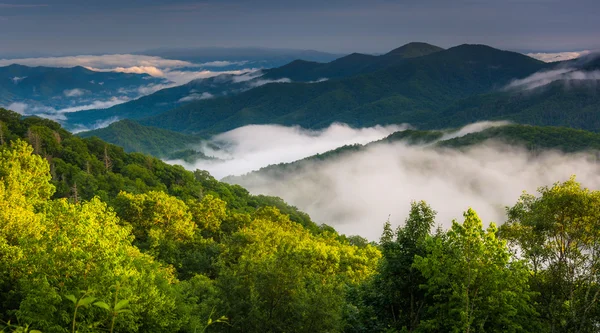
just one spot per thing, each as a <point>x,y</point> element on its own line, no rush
<point>108,26</point>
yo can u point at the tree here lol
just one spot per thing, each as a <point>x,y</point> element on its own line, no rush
<point>558,233</point>
<point>277,277</point>
<point>394,297</point>
<point>473,283</point>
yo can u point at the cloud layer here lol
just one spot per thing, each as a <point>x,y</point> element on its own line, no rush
<point>356,193</point>
<point>251,147</point>
<point>546,77</point>
<point>177,71</point>
<point>558,56</point>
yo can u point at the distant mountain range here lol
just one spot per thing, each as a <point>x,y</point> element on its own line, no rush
<point>421,84</point>
<point>227,84</point>
<point>60,88</point>
<point>414,90</point>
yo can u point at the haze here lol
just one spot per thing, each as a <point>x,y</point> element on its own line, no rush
<point>110,26</point>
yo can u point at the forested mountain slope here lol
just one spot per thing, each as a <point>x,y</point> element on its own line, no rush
<point>93,239</point>
<point>134,137</point>
<point>415,91</point>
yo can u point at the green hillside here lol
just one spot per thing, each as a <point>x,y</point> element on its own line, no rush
<point>160,101</point>
<point>93,239</point>
<point>134,137</point>
<point>534,138</point>
<point>573,103</point>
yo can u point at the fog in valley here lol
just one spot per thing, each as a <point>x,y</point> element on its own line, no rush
<point>357,192</point>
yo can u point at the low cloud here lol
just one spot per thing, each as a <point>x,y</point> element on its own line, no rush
<point>558,56</point>
<point>182,77</point>
<point>251,147</point>
<point>108,61</point>
<point>258,83</point>
<point>177,71</point>
<point>223,63</point>
<point>101,104</point>
<point>18,107</point>
<point>323,79</point>
<point>58,114</point>
<point>18,79</point>
<point>97,125</point>
<point>150,70</point>
<point>197,97</point>
<point>247,76</point>
<point>473,128</point>
<point>357,192</point>
<point>74,92</point>
<point>540,79</point>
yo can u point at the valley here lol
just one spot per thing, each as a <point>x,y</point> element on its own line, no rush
<point>344,166</point>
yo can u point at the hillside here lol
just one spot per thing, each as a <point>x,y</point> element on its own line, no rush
<point>88,167</point>
<point>161,101</point>
<point>134,137</point>
<point>415,91</point>
<point>571,103</point>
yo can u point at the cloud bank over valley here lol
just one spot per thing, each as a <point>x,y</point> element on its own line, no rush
<point>357,192</point>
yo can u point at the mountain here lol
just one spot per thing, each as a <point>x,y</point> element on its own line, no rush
<point>415,91</point>
<point>162,100</point>
<point>134,137</point>
<point>227,84</point>
<point>61,88</point>
<point>353,64</point>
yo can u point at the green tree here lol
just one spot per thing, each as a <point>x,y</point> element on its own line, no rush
<point>277,277</point>
<point>472,282</point>
<point>558,233</point>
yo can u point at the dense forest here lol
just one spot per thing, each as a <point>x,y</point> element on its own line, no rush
<point>93,239</point>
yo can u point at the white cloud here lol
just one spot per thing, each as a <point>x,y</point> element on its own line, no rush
<point>150,70</point>
<point>223,63</point>
<point>196,97</point>
<point>97,125</point>
<point>54,114</point>
<point>473,128</point>
<point>558,56</point>
<point>108,61</point>
<point>74,92</point>
<point>18,107</point>
<point>17,79</point>
<point>323,79</point>
<point>254,146</point>
<point>101,104</point>
<point>247,77</point>
<point>176,71</point>
<point>258,83</point>
<point>357,192</point>
<point>543,78</point>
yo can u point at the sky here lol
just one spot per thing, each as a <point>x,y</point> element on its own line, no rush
<point>29,27</point>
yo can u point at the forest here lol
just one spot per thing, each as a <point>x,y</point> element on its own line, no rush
<point>94,239</point>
